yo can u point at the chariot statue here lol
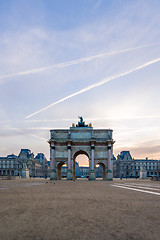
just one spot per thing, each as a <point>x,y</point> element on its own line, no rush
<point>81,123</point>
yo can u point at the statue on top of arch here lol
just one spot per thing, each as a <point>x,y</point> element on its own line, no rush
<point>81,123</point>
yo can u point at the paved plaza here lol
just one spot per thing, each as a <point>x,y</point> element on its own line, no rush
<point>65,210</point>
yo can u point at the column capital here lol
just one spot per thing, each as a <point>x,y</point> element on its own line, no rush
<point>52,146</point>
<point>69,147</point>
<point>109,147</point>
<point>92,146</point>
<point>92,142</point>
<point>110,142</point>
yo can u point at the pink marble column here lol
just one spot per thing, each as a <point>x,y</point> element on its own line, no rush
<point>109,157</point>
<point>69,157</point>
<point>52,157</point>
<point>92,157</point>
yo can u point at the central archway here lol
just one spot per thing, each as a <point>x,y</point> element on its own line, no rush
<point>81,165</point>
<point>100,171</point>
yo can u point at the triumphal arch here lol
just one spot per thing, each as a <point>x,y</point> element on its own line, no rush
<point>67,144</point>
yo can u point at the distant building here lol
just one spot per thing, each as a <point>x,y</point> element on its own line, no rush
<point>42,160</point>
<point>83,171</point>
<point>80,171</point>
<point>24,165</point>
<point>127,167</point>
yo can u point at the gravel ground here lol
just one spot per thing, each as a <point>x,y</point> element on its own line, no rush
<point>43,209</point>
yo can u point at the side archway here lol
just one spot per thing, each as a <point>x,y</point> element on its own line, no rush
<point>59,169</point>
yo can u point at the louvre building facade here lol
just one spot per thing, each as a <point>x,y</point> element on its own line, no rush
<point>24,165</point>
<point>127,167</point>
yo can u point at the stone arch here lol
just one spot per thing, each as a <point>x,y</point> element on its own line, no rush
<point>66,144</point>
<point>8,172</point>
<point>103,170</point>
<point>78,152</point>
<point>59,170</point>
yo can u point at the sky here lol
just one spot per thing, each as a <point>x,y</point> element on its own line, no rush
<point>99,59</point>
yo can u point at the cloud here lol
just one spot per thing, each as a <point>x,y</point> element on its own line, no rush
<point>96,5</point>
<point>96,119</point>
<point>27,131</point>
<point>152,151</point>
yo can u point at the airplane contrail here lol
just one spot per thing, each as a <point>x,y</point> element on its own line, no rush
<point>72,62</point>
<point>97,84</point>
<point>35,136</point>
<point>29,134</point>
